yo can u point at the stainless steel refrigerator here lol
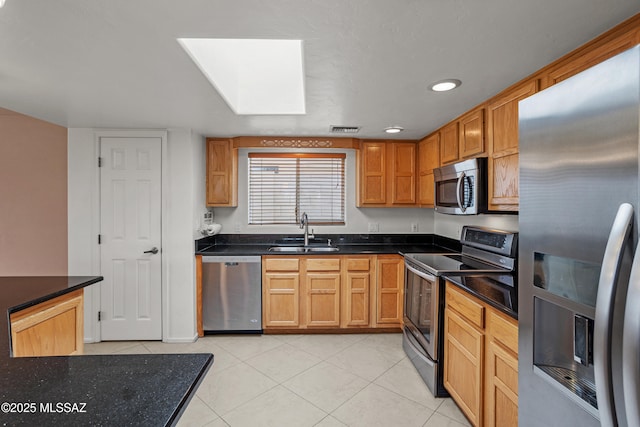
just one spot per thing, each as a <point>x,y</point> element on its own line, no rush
<point>579,289</point>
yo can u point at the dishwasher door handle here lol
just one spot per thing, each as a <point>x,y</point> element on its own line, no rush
<point>230,259</point>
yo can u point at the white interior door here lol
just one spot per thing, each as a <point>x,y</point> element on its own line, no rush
<point>130,233</point>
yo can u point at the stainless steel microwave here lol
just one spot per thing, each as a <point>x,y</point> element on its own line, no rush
<point>461,188</point>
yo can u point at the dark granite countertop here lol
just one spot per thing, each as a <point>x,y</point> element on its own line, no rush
<point>492,289</point>
<point>488,287</point>
<point>141,390</point>
<point>348,244</point>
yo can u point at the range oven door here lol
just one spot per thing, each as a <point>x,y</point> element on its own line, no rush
<point>421,315</point>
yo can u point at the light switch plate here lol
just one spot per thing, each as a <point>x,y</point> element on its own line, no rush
<point>374,227</point>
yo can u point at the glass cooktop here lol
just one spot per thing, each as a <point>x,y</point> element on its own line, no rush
<point>438,264</point>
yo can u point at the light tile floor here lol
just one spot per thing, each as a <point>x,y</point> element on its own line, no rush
<point>305,380</point>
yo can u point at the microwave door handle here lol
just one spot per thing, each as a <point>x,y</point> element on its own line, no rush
<point>609,272</point>
<point>459,188</point>
<point>631,346</point>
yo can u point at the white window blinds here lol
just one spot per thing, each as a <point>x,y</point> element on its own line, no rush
<point>282,186</point>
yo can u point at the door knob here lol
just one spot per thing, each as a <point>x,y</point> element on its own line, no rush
<point>153,250</point>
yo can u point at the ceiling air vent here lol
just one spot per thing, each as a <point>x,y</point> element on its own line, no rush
<point>345,129</point>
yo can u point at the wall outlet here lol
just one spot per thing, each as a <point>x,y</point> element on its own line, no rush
<point>374,227</point>
<point>237,227</point>
<point>207,218</point>
<point>414,227</point>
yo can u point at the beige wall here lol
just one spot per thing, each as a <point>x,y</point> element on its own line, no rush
<point>33,196</point>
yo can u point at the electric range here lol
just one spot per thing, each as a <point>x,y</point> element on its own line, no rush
<point>484,251</point>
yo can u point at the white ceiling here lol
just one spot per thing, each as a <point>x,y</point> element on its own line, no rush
<point>116,63</point>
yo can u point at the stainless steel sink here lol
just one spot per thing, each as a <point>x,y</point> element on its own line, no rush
<point>287,249</point>
<point>299,249</point>
<point>322,249</point>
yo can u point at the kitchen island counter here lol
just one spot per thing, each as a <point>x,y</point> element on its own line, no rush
<point>150,389</point>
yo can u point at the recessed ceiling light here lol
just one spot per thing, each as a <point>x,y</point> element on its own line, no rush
<point>445,85</point>
<point>393,129</point>
<point>254,76</point>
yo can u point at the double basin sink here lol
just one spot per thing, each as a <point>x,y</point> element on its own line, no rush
<point>303,249</point>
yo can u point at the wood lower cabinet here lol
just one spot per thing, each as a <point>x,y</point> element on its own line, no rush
<point>359,274</point>
<point>321,287</point>
<point>332,292</point>
<point>280,292</point>
<point>389,289</point>
<point>464,353</point>
<point>51,328</point>
<point>501,371</point>
<point>480,359</point>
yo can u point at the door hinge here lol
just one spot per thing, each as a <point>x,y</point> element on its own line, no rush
<point>99,162</point>
<point>99,239</point>
<point>99,316</point>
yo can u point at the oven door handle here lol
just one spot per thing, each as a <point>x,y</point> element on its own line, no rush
<point>462,205</point>
<point>425,276</point>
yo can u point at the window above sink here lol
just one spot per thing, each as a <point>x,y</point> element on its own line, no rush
<point>283,185</point>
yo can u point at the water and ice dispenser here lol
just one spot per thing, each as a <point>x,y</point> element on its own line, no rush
<point>563,324</point>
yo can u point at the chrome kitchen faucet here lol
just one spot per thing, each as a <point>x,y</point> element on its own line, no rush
<point>304,223</point>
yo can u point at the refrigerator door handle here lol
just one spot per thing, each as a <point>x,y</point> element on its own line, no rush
<point>604,312</point>
<point>459,188</point>
<point>631,346</point>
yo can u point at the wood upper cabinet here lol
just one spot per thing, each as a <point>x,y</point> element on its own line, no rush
<point>51,328</point>
<point>386,173</point>
<point>463,138</point>
<point>222,173</point>
<point>356,296</point>
<point>620,39</point>
<point>280,291</point>
<point>372,173</point>
<point>472,134</point>
<point>428,160</point>
<point>502,136</point>
<point>480,359</point>
<point>403,173</point>
<point>389,290</point>
<point>449,143</point>
<point>321,288</point>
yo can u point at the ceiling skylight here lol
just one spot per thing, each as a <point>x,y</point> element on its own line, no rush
<point>253,76</point>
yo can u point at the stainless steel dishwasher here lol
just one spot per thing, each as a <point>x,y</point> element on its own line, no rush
<point>231,294</point>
